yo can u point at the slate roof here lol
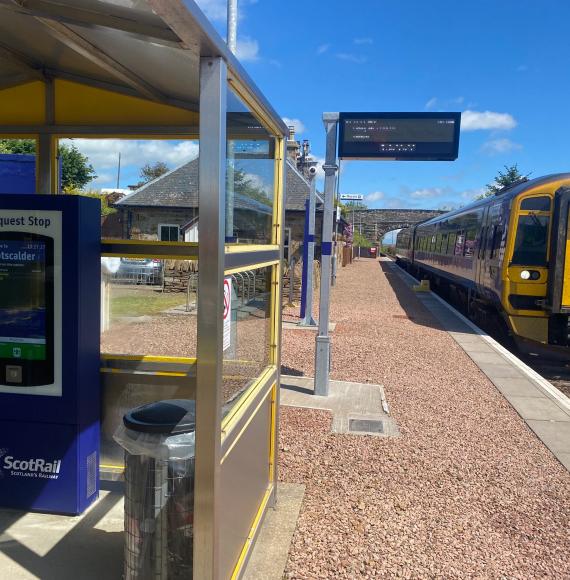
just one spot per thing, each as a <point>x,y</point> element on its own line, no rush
<point>179,189</point>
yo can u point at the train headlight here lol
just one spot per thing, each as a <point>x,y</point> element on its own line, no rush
<point>530,275</point>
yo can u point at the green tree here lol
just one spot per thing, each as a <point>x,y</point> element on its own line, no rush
<point>503,179</point>
<point>245,186</point>
<point>151,172</point>
<point>18,146</point>
<point>346,209</point>
<point>359,239</point>
<point>76,171</point>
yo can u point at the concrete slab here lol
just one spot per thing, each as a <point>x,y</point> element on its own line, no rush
<point>538,409</point>
<point>54,547</point>
<point>346,401</point>
<point>269,556</point>
<point>545,409</point>
<point>491,357</point>
<point>564,459</point>
<point>517,387</point>
<point>296,326</point>
<point>554,434</point>
<point>476,346</point>
<point>500,370</point>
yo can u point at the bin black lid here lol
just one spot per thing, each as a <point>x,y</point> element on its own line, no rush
<point>169,417</point>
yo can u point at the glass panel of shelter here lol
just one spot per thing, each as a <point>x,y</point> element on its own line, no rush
<point>250,176</point>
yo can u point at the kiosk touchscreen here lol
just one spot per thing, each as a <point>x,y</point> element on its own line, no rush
<point>26,309</point>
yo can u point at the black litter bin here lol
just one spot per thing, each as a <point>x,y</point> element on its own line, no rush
<point>159,489</point>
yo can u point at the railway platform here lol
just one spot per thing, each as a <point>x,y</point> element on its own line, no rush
<point>472,481</point>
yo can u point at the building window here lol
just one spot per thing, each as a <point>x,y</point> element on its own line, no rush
<point>168,233</point>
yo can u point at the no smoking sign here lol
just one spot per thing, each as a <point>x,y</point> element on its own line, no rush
<point>227,313</point>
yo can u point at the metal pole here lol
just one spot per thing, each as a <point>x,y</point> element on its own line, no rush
<point>308,319</point>
<point>232,25</point>
<point>335,233</point>
<point>119,172</point>
<point>323,340</point>
<point>305,270</point>
<point>213,87</point>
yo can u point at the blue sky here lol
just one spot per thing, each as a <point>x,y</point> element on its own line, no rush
<point>502,63</point>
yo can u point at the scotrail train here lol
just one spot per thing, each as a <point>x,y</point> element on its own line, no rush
<point>505,257</point>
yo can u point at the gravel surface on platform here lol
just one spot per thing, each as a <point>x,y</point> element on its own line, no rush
<point>467,491</point>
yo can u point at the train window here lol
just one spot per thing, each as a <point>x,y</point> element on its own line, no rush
<point>451,243</point>
<point>469,247</point>
<point>531,241</point>
<point>438,244</point>
<point>443,247</point>
<point>481,250</point>
<point>496,241</point>
<point>459,244</point>
<point>536,203</point>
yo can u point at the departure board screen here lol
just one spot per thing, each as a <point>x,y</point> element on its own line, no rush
<point>399,136</point>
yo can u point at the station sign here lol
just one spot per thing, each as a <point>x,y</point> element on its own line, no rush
<point>399,136</point>
<point>351,197</point>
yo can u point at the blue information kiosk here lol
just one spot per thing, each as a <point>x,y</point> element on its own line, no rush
<point>49,352</point>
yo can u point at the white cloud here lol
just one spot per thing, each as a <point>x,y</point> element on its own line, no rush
<point>218,9</point>
<point>486,120</point>
<point>103,180</point>
<point>444,104</point>
<point>374,196</point>
<point>363,40</point>
<point>214,9</point>
<point>299,127</point>
<point>431,103</point>
<point>349,57</point>
<point>498,146</point>
<point>321,49</point>
<point>471,194</point>
<point>258,182</point>
<point>247,49</point>
<point>103,154</point>
<point>429,192</point>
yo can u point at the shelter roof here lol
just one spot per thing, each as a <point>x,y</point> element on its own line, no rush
<point>145,48</point>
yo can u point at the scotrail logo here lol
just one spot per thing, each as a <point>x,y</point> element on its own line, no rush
<point>33,467</point>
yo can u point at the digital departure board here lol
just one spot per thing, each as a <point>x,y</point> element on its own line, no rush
<point>399,136</point>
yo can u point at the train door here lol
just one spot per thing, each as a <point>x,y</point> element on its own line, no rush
<point>479,255</point>
<point>559,275</point>
<point>490,261</point>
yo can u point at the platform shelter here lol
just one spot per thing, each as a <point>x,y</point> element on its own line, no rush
<point>157,70</point>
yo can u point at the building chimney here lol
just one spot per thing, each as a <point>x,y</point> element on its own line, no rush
<point>293,146</point>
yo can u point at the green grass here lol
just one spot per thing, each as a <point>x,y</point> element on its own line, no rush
<point>143,302</point>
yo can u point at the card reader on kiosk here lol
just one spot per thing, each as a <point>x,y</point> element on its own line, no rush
<point>49,352</point>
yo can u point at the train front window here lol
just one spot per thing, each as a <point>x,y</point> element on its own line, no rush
<point>536,203</point>
<point>531,241</point>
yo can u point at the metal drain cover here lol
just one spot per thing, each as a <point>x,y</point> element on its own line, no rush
<point>366,425</point>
